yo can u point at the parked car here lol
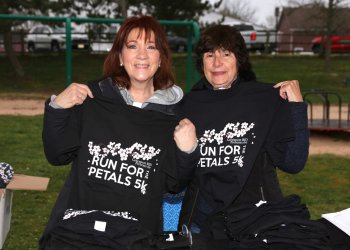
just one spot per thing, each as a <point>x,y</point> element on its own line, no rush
<point>102,36</point>
<point>54,39</point>
<point>262,40</point>
<point>177,43</point>
<point>338,44</point>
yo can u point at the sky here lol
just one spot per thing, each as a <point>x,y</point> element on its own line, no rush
<point>265,9</point>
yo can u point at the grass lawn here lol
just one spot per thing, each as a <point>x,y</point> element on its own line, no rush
<point>323,185</point>
<point>309,71</point>
<point>21,147</point>
<point>45,73</point>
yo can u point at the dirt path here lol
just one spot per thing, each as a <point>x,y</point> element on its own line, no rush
<point>21,106</point>
<point>325,144</point>
<point>319,143</point>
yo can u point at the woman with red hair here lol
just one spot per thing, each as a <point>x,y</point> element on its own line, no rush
<point>118,134</point>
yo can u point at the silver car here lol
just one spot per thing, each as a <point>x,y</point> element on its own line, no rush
<point>54,39</point>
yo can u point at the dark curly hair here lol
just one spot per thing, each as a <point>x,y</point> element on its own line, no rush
<point>228,38</point>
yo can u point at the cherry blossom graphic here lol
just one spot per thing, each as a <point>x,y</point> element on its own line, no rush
<point>137,151</point>
<point>231,130</point>
<point>71,213</point>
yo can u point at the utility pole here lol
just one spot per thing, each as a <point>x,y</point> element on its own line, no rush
<point>277,13</point>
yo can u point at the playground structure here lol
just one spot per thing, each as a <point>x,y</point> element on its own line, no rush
<point>332,115</point>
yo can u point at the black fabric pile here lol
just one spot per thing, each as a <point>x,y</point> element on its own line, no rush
<point>6,174</point>
<point>285,222</point>
<point>78,231</point>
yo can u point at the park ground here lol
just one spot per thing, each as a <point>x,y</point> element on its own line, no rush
<point>320,143</point>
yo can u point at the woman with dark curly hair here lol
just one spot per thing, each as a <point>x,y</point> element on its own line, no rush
<point>245,129</point>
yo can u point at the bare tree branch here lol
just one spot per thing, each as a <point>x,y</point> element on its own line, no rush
<point>238,9</point>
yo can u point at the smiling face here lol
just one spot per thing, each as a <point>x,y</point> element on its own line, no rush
<point>140,57</point>
<point>220,68</point>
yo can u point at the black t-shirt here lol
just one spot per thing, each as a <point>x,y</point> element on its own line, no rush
<point>233,126</point>
<point>124,158</point>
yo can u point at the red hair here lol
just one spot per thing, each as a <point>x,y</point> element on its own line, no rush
<point>164,77</point>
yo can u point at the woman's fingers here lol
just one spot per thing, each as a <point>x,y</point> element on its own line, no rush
<point>185,135</point>
<point>290,90</point>
<point>74,94</point>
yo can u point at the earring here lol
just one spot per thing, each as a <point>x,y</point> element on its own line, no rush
<point>158,65</point>
<point>121,64</point>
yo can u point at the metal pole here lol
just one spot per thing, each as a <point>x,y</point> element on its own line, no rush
<point>196,39</point>
<point>189,60</point>
<point>68,51</point>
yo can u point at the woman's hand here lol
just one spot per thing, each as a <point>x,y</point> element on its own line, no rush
<point>289,90</point>
<point>74,94</point>
<point>185,135</point>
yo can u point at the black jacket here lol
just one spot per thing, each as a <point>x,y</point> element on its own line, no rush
<point>274,138</point>
<point>123,157</point>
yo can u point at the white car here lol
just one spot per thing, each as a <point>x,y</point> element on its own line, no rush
<point>257,40</point>
<point>54,39</point>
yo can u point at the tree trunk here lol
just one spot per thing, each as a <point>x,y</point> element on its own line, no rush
<point>329,33</point>
<point>11,54</point>
<point>124,5</point>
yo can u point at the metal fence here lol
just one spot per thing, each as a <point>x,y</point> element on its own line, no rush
<point>20,46</point>
<point>286,43</point>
